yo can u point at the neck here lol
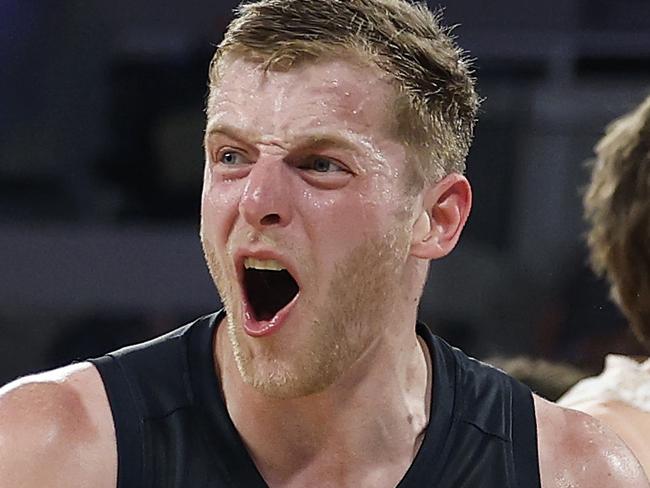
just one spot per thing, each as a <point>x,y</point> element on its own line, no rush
<point>364,429</point>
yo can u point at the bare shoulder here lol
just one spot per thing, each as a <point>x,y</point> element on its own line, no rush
<point>56,430</point>
<point>619,415</point>
<point>576,449</point>
<point>630,423</point>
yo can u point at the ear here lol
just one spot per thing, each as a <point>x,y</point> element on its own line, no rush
<point>445,208</point>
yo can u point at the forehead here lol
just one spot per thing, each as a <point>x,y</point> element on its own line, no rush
<point>332,94</point>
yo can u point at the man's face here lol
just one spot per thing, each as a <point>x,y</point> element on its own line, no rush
<point>305,223</point>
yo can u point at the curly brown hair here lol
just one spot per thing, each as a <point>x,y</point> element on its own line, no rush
<point>617,207</point>
<point>436,103</point>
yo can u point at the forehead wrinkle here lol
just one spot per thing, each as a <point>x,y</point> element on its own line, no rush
<point>311,128</point>
<point>343,99</point>
<point>215,126</point>
<point>320,139</point>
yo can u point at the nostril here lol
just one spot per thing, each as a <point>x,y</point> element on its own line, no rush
<point>270,219</point>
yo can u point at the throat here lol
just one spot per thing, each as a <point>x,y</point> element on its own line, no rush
<point>269,291</point>
<point>307,441</point>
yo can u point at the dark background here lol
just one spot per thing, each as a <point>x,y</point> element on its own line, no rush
<point>101,161</point>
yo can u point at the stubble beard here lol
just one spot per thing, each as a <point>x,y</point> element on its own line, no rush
<point>357,303</point>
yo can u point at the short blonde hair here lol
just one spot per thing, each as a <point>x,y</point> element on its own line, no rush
<point>436,103</point>
<point>617,207</point>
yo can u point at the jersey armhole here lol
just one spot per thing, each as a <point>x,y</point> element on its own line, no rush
<point>524,436</point>
<point>128,427</point>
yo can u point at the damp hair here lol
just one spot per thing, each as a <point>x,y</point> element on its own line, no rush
<point>617,208</point>
<point>435,103</point>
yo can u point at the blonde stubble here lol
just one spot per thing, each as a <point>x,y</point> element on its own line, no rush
<point>358,299</point>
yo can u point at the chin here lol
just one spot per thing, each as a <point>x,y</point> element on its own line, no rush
<point>284,385</point>
<point>315,334</point>
<point>276,369</point>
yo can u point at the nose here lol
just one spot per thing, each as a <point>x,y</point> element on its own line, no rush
<point>266,200</point>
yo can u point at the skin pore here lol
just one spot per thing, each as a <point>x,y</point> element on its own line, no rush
<point>629,422</point>
<point>301,170</point>
<point>299,167</point>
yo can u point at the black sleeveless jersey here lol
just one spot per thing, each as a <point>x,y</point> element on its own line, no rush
<point>173,429</point>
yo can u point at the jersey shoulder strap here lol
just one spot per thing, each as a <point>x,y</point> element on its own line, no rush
<point>144,381</point>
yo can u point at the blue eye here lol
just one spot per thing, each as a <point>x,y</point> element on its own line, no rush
<point>322,165</point>
<point>231,158</point>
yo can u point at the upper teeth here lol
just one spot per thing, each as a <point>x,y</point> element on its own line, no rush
<point>268,264</point>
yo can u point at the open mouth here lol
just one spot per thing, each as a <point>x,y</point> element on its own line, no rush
<point>268,287</point>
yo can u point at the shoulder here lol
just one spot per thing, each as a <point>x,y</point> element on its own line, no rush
<point>629,422</point>
<point>56,430</point>
<point>615,413</point>
<point>576,449</point>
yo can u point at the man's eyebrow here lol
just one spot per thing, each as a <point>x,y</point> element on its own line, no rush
<point>229,131</point>
<point>323,140</point>
<point>317,140</point>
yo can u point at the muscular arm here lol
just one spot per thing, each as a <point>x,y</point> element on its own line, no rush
<point>56,431</point>
<point>576,450</point>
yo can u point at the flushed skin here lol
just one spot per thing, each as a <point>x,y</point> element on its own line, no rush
<point>630,423</point>
<point>347,220</point>
<point>352,219</point>
<point>271,191</point>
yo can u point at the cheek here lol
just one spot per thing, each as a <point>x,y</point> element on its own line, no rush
<point>219,206</point>
<point>338,221</point>
<point>385,191</point>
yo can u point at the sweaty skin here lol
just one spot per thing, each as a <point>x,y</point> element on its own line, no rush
<point>302,168</point>
<point>629,422</point>
<point>578,451</point>
<point>341,230</point>
<point>344,232</point>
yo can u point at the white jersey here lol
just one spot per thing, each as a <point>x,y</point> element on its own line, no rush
<point>622,379</point>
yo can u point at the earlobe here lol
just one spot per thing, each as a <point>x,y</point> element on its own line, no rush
<point>446,206</point>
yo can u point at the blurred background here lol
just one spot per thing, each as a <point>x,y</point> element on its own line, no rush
<point>101,161</point>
